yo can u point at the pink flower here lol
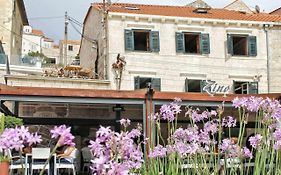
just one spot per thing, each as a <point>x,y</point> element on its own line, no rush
<point>64,135</point>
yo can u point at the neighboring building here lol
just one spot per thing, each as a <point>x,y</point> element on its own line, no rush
<point>51,50</point>
<point>177,48</point>
<point>276,12</point>
<point>239,5</point>
<point>12,19</point>
<point>33,40</point>
<point>199,4</point>
<point>67,57</point>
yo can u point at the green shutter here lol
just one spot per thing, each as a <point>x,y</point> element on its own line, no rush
<point>205,43</point>
<point>252,45</point>
<point>202,84</point>
<point>253,88</point>
<point>180,48</point>
<point>229,44</point>
<point>154,41</point>
<point>137,82</point>
<point>156,84</point>
<point>186,85</point>
<point>129,40</point>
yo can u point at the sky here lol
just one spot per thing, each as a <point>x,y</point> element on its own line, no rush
<point>48,15</point>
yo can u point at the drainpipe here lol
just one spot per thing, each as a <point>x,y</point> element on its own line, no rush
<point>265,28</point>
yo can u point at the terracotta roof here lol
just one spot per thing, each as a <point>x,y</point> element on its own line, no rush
<point>37,32</point>
<point>184,11</point>
<point>73,42</point>
<point>114,94</point>
<point>55,46</point>
<point>48,39</point>
<point>276,11</point>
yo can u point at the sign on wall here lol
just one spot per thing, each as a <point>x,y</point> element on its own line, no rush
<point>212,88</point>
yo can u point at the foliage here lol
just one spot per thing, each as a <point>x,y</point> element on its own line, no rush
<point>12,122</point>
<point>201,147</point>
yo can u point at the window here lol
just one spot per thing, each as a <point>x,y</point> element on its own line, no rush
<point>142,40</point>
<point>70,48</point>
<point>196,43</point>
<point>241,45</point>
<point>245,87</point>
<point>194,85</point>
<point>143,82</point>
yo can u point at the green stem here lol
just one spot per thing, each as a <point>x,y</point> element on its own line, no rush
<point>49,158</point>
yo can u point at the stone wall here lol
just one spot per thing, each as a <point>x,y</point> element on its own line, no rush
<point>275,59</point>
<point>35,81</point>
<point>173,68</point>
<point>88,53</point>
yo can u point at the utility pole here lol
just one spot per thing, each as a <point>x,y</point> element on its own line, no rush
<point>64,56</point>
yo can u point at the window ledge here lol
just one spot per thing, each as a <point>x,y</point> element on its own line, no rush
<point>142,52</point>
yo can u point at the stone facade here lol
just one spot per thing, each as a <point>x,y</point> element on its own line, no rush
<point>88,52</point>
<point>12,19</point>
<point>275,59</point>
<point>36,81</point>
<point>199,4</point>
<point>174,68</point>
<point>239,5</point>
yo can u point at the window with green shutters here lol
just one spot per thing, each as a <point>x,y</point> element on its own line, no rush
<point>193,43</point>
<point>241,45</point>
<point>142,40</point>
<point>142,83</point>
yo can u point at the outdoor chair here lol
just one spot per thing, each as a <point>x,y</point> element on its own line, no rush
<point>39,157</point>
<point>67,163</point>
<point>87,156</point>
<point>17,163</point>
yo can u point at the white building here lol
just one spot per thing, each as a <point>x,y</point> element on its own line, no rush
<point>177,48</point>
<point>69,55</point>
<point>33,40</point>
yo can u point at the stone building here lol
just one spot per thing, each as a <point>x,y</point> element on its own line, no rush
<point>178,48</point>
<point>69,55</point>
<point>12,19</point>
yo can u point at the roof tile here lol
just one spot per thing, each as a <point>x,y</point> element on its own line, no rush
<point>184,11</point>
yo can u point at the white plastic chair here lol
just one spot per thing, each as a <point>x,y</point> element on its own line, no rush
<point>87,156</point>
<point>70,165</point>
<point>16,164</point>
<point>39,157</point>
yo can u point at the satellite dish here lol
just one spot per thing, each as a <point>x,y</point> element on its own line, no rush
<point>257,9</point>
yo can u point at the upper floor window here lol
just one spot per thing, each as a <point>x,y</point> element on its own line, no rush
<point>195,43</point>
<point>240,87</point>
<point>194,85</point>
<point>143,82</point>
<point>241,45</point>
<point>70,48</point>
<point>142,40</point>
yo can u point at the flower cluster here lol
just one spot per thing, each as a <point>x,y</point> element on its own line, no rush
<point>18,138</point>
<point>169,111</point>
<point>116,153</point>
<point>63,134</point>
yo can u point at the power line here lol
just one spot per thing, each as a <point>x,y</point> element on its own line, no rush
<point>46,17</point>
